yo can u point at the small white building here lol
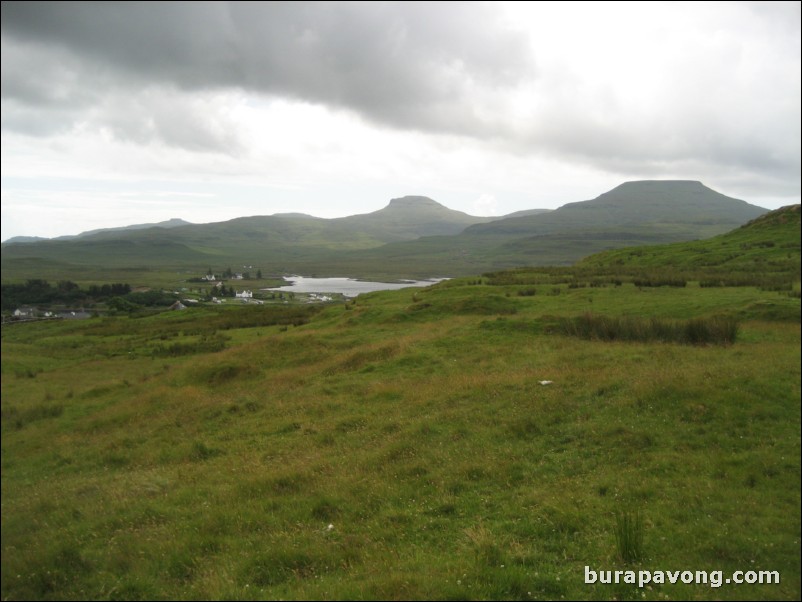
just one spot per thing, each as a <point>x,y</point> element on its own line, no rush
<point>244,295</point>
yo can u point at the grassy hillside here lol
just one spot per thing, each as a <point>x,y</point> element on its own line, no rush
<point>769,242</point>
<point>276,242</point>
<point>403,446</point>
<point>764,252</point>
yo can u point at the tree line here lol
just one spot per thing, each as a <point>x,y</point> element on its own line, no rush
<point>64,292</point>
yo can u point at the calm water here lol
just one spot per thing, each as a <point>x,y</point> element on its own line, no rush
<point>344,286</point>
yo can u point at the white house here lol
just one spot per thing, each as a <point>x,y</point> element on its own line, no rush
<point>245,295</point>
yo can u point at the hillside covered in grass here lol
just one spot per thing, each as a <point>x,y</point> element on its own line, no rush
<point>459,441</point>
<point>770,242</point>
<point>764,253</point>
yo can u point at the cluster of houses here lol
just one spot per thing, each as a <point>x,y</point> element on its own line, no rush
<point>31,313</point>
<point>213,278</point>
<point>245,296</point>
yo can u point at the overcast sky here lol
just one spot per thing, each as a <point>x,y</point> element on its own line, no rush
<point>123,113</point>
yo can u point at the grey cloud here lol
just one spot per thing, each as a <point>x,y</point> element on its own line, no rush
<point>627,144</point>
<point>169,117</point>
<point>36,122</point>
<point>410,65</point>
<point>733,107</point>
<point>34,76</point>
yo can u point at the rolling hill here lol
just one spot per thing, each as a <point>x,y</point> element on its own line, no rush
<point>634,213</point>
<point>171,223</point>
<point>771,240</point>
<point>682,204</point>
<point>413,236</point>
<point>275,239</point>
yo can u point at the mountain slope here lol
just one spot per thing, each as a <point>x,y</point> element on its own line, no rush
<point>411,217</point>
<point>170,223</point>
<point>634,213</point>
<point>278,241</point>
<point>643,202</point>
<point>768,243</point>
<point>414,236</point>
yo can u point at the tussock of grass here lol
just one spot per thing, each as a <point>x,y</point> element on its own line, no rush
<point>716,330</point>
<point>629,536</point>
<point>17,417</point>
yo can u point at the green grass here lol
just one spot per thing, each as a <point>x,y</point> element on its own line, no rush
<point>402,447</point>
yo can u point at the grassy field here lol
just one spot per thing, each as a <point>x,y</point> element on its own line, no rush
<point>403,446</point>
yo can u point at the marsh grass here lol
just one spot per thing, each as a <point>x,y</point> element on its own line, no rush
<point>629,536</point>
<point>713,330</point>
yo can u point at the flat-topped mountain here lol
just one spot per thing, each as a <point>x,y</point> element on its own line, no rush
<point>634,213</point>
<point>640,202</point>
<point>413,236</point>
<point>413,201</point>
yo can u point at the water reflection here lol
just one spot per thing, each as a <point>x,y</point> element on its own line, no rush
<point>347,287</point>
